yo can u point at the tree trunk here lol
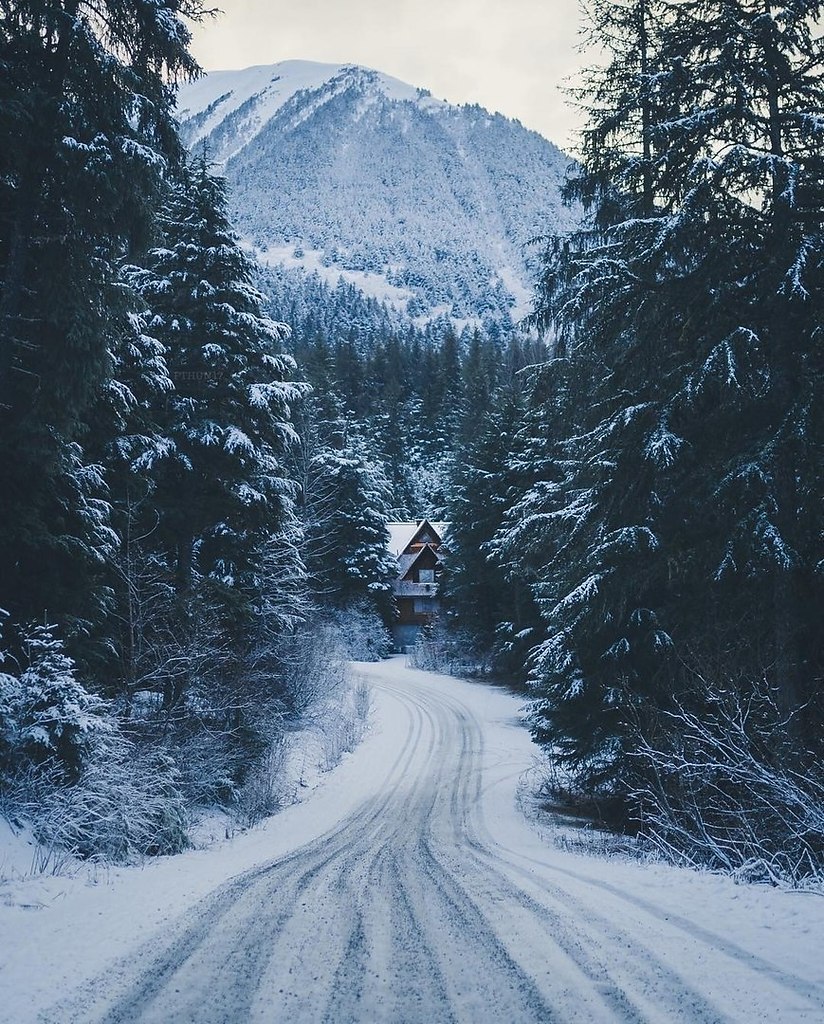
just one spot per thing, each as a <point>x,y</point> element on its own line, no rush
<point>646,108</point>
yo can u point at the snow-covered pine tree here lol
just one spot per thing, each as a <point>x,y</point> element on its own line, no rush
<point>46,714</point>
<point>479,372</point>
<point>687,310</point>
<point>86,131</point>
<point>490,604</point>
<point>220,488</point>
<point>745,165</point>
<point>346,505</point>
<point>434,421</point>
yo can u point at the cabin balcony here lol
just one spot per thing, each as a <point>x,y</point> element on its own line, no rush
<point>408,588</point>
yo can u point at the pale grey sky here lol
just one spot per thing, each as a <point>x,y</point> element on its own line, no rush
<point>507,55</point>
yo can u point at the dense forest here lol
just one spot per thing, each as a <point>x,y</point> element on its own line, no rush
<point>659,493</point>
<point>198,455</point>
<point>166,607</point>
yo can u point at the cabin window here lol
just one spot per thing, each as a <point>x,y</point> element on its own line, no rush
<point>424,605</point>
<point>426,576</point>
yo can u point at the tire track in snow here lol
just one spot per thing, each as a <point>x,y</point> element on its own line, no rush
<point>197,926</point>
<point>408,912</point>
<point>585,928</point>
<point>576,991</point>
<point>751,961</point>
<point>584,972</point>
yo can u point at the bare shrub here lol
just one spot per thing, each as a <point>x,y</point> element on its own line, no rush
<point>344,722</point>
<point>210,763</point>
<point>732,789</point>
<point>578,821</point>
<point>340,736</point>
<point>314,659</point>
<point>313,668</point>
<point>362,701</point>
<point>439,649</point>
<point>51,860</point>
<point>360,633</point>
<point>262,792</point>
<point>125,805</point>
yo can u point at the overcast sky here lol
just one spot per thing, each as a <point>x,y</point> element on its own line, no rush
<point>507,55</point>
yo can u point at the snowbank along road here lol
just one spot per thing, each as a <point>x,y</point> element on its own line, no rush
<point>430,899</point>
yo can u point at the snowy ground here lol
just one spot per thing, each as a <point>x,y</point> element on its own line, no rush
<point>406,889</point>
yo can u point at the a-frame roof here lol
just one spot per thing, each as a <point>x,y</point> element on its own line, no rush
<point>407,562</point>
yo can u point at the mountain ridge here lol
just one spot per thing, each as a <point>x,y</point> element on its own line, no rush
<point>345,170</point>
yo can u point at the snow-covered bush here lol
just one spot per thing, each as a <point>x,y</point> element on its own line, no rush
<point>220,758</point>
<point>439,649</point>
<point>344,723</point>
<point>210,765</point>
<point>9,700</point>
<point>732,788</point>
<point>323,692</point>
<point>262,792</point>
<point>125,804</point>
<point>361,634</point>
<point>86,790</point>
<point>312,668</point>
<point>313,659</point>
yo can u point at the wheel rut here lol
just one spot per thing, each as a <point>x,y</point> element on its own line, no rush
<point>408,912</point>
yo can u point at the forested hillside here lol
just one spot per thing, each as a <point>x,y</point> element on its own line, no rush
<point>342,168</point>
<point>412,394</point>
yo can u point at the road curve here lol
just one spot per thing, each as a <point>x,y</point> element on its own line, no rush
<point>423,905</point>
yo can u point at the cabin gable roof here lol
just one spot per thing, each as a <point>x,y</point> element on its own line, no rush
<point>408,562</point>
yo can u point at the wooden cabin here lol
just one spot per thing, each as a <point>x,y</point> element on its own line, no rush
<point>418,547</point>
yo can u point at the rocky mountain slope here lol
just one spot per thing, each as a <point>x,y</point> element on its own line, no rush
<point>345,171</point>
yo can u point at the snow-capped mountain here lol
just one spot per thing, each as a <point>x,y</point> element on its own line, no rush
<point>344,170</point>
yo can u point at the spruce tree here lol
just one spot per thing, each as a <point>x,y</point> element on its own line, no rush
<point>689,463</point>
<point>488,602</point>
<point>220,486</point>
<point>86,133</point>
<point>346,508</point>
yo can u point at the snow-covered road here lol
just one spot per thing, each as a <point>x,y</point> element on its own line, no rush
<point>412,891</point>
